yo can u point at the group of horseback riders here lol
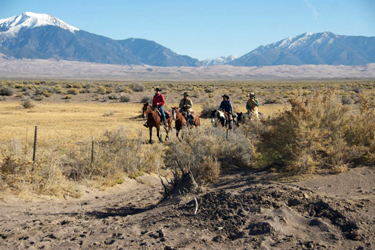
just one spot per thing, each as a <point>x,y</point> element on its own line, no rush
<point>186,105</point>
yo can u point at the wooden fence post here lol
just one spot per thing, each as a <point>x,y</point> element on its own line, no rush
<point>92,150</point>
<point>35,137</point>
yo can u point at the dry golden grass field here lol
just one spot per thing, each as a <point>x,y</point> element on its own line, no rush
<point>65,123</point>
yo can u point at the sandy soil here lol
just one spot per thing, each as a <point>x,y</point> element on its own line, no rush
<point>52,69</point>
<point>243,210</point>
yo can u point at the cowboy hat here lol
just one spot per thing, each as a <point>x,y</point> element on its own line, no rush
<point>226,96</point>
<point>186,94</point>
<point>157,89</point>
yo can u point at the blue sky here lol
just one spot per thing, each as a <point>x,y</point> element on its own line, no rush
<point>206,28</point>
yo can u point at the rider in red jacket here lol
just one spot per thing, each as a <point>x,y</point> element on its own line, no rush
<point>158,102</point>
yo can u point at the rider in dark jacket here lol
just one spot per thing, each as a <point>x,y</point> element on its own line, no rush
<point>227,106</point>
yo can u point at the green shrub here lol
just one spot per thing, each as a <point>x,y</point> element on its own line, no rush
<point>72,91</point>
<point>58,89</point>
<point>101,90</point>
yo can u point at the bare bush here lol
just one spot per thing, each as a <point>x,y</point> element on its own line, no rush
<point>205,151</point>
<point>21,175</point>
<point>114,157</point>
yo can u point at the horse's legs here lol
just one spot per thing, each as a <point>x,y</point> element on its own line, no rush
<point>158,134</point>
<point>150,141</point>
<point>169,127</point>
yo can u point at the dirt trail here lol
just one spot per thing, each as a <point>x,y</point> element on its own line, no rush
<point>243,210</point>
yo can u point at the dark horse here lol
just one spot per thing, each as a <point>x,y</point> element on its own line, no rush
<point>154,120</point>
<point>180,120</point>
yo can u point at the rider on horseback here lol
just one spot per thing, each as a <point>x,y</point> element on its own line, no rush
<point>252,105</point>
<point>186,107</point>
<point>158,102</point>
<point>226,105</point>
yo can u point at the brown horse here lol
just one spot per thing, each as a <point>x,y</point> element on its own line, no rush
<point>196,121</point>
<point>154,120</point>
<point>180,120</point>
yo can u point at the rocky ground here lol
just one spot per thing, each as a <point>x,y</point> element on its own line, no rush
<point>243,210</point>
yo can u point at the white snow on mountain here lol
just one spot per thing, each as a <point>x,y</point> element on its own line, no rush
<point>218,61</point>
<point>303,40</point>
<point>11,26</point>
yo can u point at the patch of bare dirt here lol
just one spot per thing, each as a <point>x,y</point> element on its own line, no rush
<point>243,210</point>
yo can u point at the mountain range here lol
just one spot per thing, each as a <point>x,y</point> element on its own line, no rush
<point>41,36</point>
<point>312,48</point>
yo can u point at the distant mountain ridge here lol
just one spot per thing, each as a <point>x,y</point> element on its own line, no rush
<point>312,48</point>
<point>41,36</point>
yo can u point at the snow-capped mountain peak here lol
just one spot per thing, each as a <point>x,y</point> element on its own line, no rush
<point>301,40</point>
<point>218,61</point>
<point>30,20</point>
<point>312,48</point>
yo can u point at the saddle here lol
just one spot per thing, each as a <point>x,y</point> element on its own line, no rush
<point>166,112</point>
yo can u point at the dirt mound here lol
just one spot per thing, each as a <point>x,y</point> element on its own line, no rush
<point>244,210</point>
<point>279,213</point>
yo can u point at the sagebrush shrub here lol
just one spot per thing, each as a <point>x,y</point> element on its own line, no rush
<point>72,91</point>
<point>27,104</point>
<point>318,132</point>
<point>6,91</point>
<point>125,98</point>
<point>137,87</point>
<point>146,99</point>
